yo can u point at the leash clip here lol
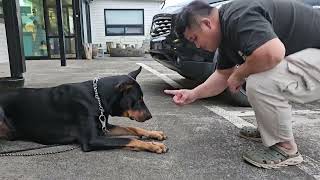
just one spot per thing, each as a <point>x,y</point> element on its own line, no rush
<point>103,120</point>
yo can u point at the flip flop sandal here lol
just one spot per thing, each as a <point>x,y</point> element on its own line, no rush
<point>272,158</point>
<point>251,133</point>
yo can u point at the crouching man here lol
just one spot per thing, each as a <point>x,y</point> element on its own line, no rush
<point>274,46</point>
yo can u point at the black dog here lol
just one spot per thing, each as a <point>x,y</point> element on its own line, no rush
<point>77,113</point>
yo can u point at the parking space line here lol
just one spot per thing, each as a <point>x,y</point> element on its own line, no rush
<point>295,112</point>
<point>162,76</point>
<point>310,166</point>
<point>230,116</point>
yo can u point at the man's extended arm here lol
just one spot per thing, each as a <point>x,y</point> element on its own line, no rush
<point>214,85</point>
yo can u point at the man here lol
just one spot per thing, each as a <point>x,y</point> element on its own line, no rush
<point>273,45</point>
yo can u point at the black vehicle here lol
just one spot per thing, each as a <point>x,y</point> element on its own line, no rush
<point>184,57</point>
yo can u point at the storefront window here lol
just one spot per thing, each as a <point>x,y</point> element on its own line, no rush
<point>1,12</point>
<point>68,17</point>
<point>33,26</point>
<point>53,25</point>
<point>68,27</point>
<point>69,46</point>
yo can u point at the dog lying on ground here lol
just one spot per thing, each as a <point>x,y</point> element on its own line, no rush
<point>78,113</point>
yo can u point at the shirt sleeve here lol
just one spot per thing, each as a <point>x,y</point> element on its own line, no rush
<point>244,32</point>
<point>253,30</point>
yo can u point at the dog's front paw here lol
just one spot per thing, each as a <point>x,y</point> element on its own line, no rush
<point>158,147</point>
<point>158,135</point>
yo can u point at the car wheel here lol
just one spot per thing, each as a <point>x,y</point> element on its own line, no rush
<point>239,98</point>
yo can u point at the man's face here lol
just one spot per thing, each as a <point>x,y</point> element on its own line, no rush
<point>203,35</point>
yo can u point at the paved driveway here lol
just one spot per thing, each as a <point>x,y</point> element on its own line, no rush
<point>202,137</point>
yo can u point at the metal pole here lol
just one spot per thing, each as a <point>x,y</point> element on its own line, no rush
<point>61,33</point>
<point>12,19</point>
<point>78,30</point>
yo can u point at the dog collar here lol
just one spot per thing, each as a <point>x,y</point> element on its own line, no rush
<point>102,117</point>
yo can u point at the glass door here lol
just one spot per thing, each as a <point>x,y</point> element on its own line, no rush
<point>53,37</point>
<point>69,29</point>
<point>33,28</point>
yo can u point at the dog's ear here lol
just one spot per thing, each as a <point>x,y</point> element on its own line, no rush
<point>124,85</point>
<point>135,73</point>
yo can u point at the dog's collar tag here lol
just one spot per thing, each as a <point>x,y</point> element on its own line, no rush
<point>102,117</point>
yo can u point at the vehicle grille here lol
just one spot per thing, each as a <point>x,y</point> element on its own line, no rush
<point>161,26</point>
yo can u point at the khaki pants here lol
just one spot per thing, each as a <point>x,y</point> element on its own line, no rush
<point>297,79</point>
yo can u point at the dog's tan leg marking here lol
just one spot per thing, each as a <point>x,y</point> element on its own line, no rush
<point>123,131</point>
<point>137,145</point>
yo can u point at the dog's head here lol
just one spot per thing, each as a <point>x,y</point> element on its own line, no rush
<point>130,102</point>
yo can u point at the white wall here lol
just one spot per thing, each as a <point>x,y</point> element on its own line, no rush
<point>3,45</point>
<point>98,25</point>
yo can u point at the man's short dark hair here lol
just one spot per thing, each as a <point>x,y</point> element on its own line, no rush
<point>187,18</point>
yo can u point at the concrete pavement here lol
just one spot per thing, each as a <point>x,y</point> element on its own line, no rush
<point>203,142</point>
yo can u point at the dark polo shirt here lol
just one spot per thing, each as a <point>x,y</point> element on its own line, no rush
<point>248,24</point>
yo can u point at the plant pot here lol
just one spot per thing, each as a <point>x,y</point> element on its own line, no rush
<point>128,52</point>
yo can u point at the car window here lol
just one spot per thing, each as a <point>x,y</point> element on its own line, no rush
<point>312,2</point>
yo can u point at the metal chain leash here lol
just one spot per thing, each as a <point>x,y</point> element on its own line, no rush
<point>102,117</point>
<point>14,153</point>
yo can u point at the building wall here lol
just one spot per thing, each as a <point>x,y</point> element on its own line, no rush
<point>3,44</point>
<point>98,25</point>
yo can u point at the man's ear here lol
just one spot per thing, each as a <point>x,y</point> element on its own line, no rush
<point>135,73</point>
<point>205,22</point>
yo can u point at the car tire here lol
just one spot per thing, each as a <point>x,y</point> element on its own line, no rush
<point>239,98</point>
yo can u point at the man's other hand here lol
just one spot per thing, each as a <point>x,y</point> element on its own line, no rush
<point>235,83</point>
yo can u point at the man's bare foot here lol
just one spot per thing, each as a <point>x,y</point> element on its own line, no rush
<point>289,147</point>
